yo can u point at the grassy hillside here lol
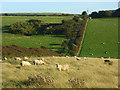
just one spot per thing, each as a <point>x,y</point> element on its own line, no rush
<point>93,71</point>
<point>98,31</point>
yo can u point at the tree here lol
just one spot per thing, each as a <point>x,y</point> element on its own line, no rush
<point>84,13</point>
<point>94,15</point>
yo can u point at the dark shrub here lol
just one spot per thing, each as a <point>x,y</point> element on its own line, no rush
<point>76,83</point>
<point>39,81</point>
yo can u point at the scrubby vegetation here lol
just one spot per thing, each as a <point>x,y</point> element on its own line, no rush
<point>14,50</point>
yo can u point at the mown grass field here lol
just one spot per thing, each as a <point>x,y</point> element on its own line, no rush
<point>49,41</point>
<point>98,31</point>
<point>93,71</point>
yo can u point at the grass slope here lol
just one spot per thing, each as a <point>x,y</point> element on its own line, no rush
<point>93,71</point>
<point>97,32</point>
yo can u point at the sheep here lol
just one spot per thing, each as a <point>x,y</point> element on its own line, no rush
<point>106,52</point>
<point>17,58</point>
<point>92,54</point>
<point>62,67</point>
<point>4,58</point>
<point>90,18</point>
<point>77,58</point>
<point>38,62</point>
<point>25,58</point>
<point>67,56</point>
<point>102,58</point>
<point>25,63</point>
<point>42,59</point>
<point>103,43</point>
<point>108,61</point>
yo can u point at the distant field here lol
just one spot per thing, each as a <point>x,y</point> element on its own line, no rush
<point>104,30</point>
<point>7,20</point>
<point>49,41</point>
<point>93,71</point>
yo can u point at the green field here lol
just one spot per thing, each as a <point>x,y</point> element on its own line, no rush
<point>49,41</point>
<point>7,20</point>
<point>103,30</point>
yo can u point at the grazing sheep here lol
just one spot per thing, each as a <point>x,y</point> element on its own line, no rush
<point>67,56</point>
<point>62,67</point>
<point>25,58</point>
<point>103,43</point>
<point>102,58</point>
<point>108,61</point>
<point>106,52</point>
<point>77,58</point>
<point>42,59</point>
<point>4,58</point>
<point>17,58</point>
<point>38,62</point>
<point>90,18</point>
<point>90,48</point>
<point>92,54</point>
<point>25,63</point>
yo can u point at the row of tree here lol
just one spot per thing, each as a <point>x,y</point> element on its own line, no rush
<point>109,13</point>
<point>71,46</point>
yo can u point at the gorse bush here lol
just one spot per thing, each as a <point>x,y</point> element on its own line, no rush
<point>36,27</point>
<point>76,83</point>
<point>29,27</point>
<point>40,81</point>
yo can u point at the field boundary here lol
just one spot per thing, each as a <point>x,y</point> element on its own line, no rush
<point>79,51</point>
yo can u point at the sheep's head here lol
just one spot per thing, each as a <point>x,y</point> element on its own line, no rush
<point>57,65</point>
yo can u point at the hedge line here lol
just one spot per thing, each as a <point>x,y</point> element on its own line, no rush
<point>72,46</point>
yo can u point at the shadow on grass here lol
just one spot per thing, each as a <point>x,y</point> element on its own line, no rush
<point>5,29</point>
<point>62,36</point>
<point>18,67</point>
<point>54,44</point>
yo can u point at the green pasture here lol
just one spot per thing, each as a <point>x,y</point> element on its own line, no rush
<point>7,20</point>
<point>49,41</point>
<point>98,31</point>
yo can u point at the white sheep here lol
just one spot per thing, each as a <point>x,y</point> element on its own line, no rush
<point>62,67</point>
<point>4,58</point>
<point>67,56</point>
<point>77,58</point>
<point>102,58</point>
<point>42,59</point>
<point>25,58</point>
<point>38,62</point>
<point>17,58</point>
<point>25,63</point>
